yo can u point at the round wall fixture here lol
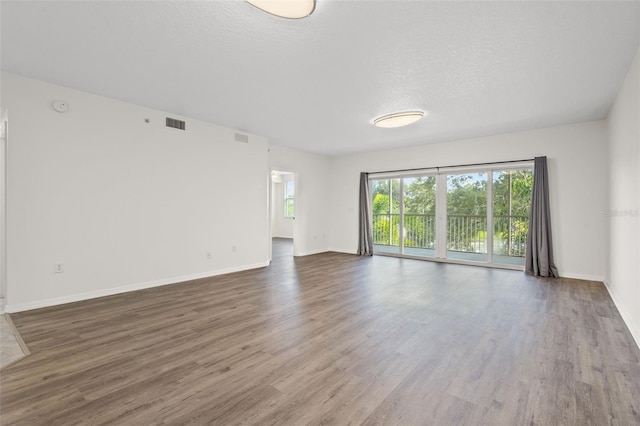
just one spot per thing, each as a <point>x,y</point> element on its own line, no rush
<point>60,106</point>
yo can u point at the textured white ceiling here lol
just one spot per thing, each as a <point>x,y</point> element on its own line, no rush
<point>477,68</point>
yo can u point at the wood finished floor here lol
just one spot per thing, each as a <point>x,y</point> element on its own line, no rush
<point>332,339</point>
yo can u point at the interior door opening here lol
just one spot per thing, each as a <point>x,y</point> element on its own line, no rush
<point>282,213</point>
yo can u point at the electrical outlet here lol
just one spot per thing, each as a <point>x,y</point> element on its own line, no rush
<point>58,268</point>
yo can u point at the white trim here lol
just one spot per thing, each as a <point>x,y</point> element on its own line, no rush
<point>310,252</point>
<point>583,277</point>
<point>626,317</point>
<point>125,289</point>
<point>441,216</point>
<point>269,218</point>
<point>343,250</point>
<point>401,229</point>
<point>454,261</point>
<point>4,176</point>
<point>435,170</point>
<point>399,175</point>
<point>512,165</point>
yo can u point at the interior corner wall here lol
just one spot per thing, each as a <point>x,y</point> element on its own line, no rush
<point>577,174</point>
<point>623,211</point>
<point>312,197</point>
<point>121,203</point>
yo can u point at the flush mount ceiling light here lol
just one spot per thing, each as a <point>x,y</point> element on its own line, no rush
<point>293,9</point>
<point>398,119</point>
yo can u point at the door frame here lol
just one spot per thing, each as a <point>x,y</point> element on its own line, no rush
<point>272,169</point>
<point>441,209</point>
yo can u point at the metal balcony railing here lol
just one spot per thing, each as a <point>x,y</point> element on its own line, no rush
<point>465,233</point>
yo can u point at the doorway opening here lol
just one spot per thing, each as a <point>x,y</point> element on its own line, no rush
<point>282,213</point>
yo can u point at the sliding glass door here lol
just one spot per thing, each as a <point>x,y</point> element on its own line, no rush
<point>386,215</point>
<point>511,201</point>
<point>467,217</point>
<point>419,208</point>
<point>477,216</point>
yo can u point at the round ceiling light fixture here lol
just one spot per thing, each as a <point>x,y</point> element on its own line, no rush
<point>292,9</point>
<point>398,119</point>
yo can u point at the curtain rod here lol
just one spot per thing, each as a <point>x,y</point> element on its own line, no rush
<point>449,167</point>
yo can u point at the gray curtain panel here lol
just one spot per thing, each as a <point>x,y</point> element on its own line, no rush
<point>365,237</point>
<point>539,253</point>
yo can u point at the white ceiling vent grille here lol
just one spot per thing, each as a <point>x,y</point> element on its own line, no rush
<point>239,137</point>
<point>175,123</point>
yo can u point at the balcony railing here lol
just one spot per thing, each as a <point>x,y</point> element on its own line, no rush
<point>510,235</point>
<point>465,233</point>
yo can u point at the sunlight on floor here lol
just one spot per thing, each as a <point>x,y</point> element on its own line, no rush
<point>10,349</point>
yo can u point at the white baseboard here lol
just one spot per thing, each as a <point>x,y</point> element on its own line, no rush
<point>124,289</point>
<point>310,252</point>
<point>343,250</point>
<point>584,277</point>
<point>635,333</point>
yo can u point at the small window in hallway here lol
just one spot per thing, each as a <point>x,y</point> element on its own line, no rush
<point>289,196</point>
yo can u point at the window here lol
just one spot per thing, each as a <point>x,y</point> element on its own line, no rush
<point>289,196</point>
<point>466,215</point>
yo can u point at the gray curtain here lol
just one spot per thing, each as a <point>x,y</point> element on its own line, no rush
<point>539,253</point>
<point>365,237</point>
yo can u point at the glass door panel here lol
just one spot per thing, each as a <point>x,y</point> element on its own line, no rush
<point>467,217</point>
<point>420,216</point>
<point>480,216</point>
<point>385,205</point>
<point>511,204</point>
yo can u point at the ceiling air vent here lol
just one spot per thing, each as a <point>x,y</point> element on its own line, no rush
<point>175,123</point>
<point>239,137</point>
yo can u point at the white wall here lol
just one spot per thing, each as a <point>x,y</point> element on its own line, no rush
<point>123,204</point>
<point>623,278</point>
<point>3,231</point>
<point>313,197</point>
<point>281,226</point>
<point>577,174</point>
